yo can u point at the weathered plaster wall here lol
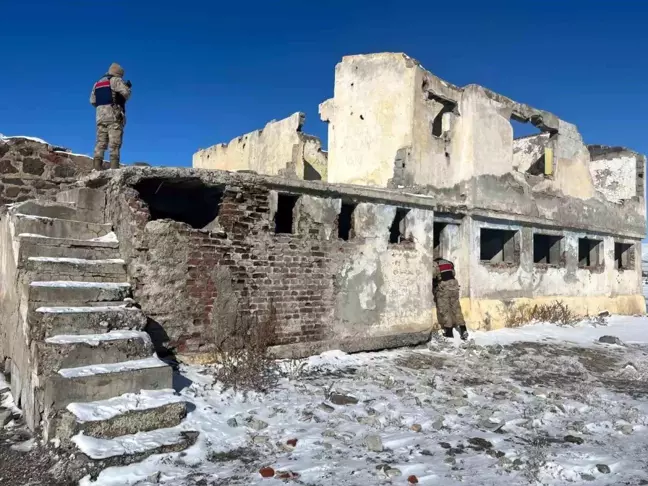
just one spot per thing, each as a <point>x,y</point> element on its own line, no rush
<point>618,173</point>
<point>280,148</point>
<point>360,293</point>
<point>370,117</point>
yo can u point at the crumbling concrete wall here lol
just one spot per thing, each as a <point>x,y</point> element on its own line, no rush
<point>363,292</point>
<point>280,148</point>
<point>31,168</point>
<point>618,173</point>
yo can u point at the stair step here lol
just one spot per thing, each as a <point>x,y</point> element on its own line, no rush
<point>47,209</point>
<point>122,415</point>
<point>90,202</point>
<point>109,269</point>
<point>59,228</point>
<point>49,321</point>
<point>132,448</point>
<point>42,246</point>
<point>72,291</point>
<point>75,350</point>
<point>103,381</point>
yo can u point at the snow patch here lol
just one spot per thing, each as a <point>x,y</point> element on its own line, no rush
<point>76,284</point>
<point>126,444</point>
<point>96,339</point>
<point>107,238</point>
<point>32,139</point>
<point>107,409</point>
<point>80,261</point>
<point>103,369</point>
<point>83,310</point>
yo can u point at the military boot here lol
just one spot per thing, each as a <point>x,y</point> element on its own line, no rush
<point>97,163</point>
<point>114,162</point>
<point>447,333</point>
<point>463,332</point>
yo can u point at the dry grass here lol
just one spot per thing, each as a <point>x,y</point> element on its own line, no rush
<point>245,363</point>
<point>556,312</point>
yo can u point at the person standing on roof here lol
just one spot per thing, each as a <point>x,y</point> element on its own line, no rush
<point>109,96</point>
<point>446,296</point>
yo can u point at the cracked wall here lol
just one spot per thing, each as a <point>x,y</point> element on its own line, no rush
<point>280,148</point>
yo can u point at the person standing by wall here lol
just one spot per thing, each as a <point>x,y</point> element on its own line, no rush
<point>446,296</point>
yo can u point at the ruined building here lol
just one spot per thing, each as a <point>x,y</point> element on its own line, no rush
<point>337,245</point>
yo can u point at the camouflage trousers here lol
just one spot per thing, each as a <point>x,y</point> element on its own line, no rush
<point>447,305</point>
<point>109,136</point>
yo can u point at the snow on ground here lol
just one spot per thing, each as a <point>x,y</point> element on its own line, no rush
<point>538,403</point>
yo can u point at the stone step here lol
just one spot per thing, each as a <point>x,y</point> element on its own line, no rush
<point>66,268</point>
<point>48,321</point>
<point>58,228</point>
<point>47,209</point>
<point>89,202</point>
<point>103,381</point>
<point>129,449</point>
<point>76,292</point>
<point>75,350</point>
<point>122,415</point>
<point>41,246</point>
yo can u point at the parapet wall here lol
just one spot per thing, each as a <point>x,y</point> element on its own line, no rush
<point>280,148</point>
<point>31,168</point>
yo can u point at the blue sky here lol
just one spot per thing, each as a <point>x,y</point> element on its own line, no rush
<point>205,72</point>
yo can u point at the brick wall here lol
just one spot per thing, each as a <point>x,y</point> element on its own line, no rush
<point>31,169</point>
<point>326,292</point>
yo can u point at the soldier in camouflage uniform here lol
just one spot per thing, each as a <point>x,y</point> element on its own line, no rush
<point>446,296</point>
<point>109,96</point>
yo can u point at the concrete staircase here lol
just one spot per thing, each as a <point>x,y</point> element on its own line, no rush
<point>97,381</point>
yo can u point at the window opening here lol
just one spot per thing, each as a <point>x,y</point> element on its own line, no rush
<point>547,249</point>
<point>497,246</point>
<point>284,217</point>
<point>589,252</point>
<point>397,229</point>
<point>345,221</point>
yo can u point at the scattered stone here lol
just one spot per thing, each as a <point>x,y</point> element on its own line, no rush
<point>26,446</point>
<point>326,408</point>
<point>5,417</point>
<point>373,443</point>
<point>479,444</point>
<point>495,453</point>
<point>604,313</point>
<point>261,439</point>
<point>412,479</point>
<point>327,445</point>
<point>329,433</point>
<point>267,472</point>
<point>485,414</point>
<point>256,424</point>
<point>603,468</point>
<point>427,452</point>
<point>393,472</point>
<point>588,477</point>
<point>610,340</point>
<point>437,424</point>
<point>450,460</point>
<point>573,439</point>
<point>445,445</point>
<point>416,427</point>
<point>370,421</point>
<point>453,451</point>
<point>286,475</point>
<point>292,442</point>
<point>626,429</point>
<point>232,422</point>
<point>340,399</point>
